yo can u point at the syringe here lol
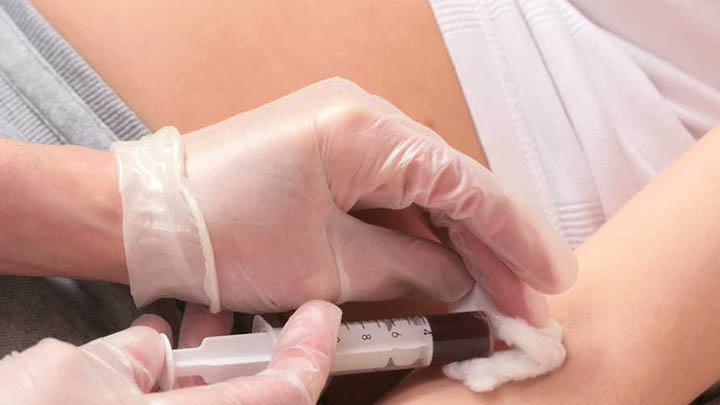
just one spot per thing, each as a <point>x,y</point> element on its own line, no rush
<point>362,346</point>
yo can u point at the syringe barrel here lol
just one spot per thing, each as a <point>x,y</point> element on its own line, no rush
<point>409,342</point>
<point>460,336</point>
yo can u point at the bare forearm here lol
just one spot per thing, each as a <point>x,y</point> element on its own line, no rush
<point>60,212</point>
<point>641,324</point>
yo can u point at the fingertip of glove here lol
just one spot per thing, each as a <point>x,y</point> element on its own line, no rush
<point>564,269</point>
<point>552,267</point>
<point>321,311</point>
<point>154,322</point>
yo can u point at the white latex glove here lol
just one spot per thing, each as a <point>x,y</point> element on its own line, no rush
<point>123,368</point>
<point>274,186</point>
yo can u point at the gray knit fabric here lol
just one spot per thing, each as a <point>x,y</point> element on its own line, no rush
<point>48,94</point>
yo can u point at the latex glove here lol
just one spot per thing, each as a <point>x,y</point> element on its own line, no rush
<point>123,368</point>
<point>274,186</point>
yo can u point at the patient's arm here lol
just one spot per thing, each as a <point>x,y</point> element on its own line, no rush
<point>642,323</point>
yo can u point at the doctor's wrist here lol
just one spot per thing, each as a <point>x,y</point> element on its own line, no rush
<point>61,213</point>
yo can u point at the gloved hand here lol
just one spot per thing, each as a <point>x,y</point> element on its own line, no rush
<point>123,368</point>
<point>273,187</point>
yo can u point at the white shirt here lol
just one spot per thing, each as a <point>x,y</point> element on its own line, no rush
<point>579,108</point>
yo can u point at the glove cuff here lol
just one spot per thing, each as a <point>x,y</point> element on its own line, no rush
<point>167,244</point>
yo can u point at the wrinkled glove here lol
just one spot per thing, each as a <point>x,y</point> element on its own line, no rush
<point>251,214</point>
<point>123,368</point>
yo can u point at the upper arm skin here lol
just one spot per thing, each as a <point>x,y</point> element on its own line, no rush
<point>641,324</point>
<point>192,63</point>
